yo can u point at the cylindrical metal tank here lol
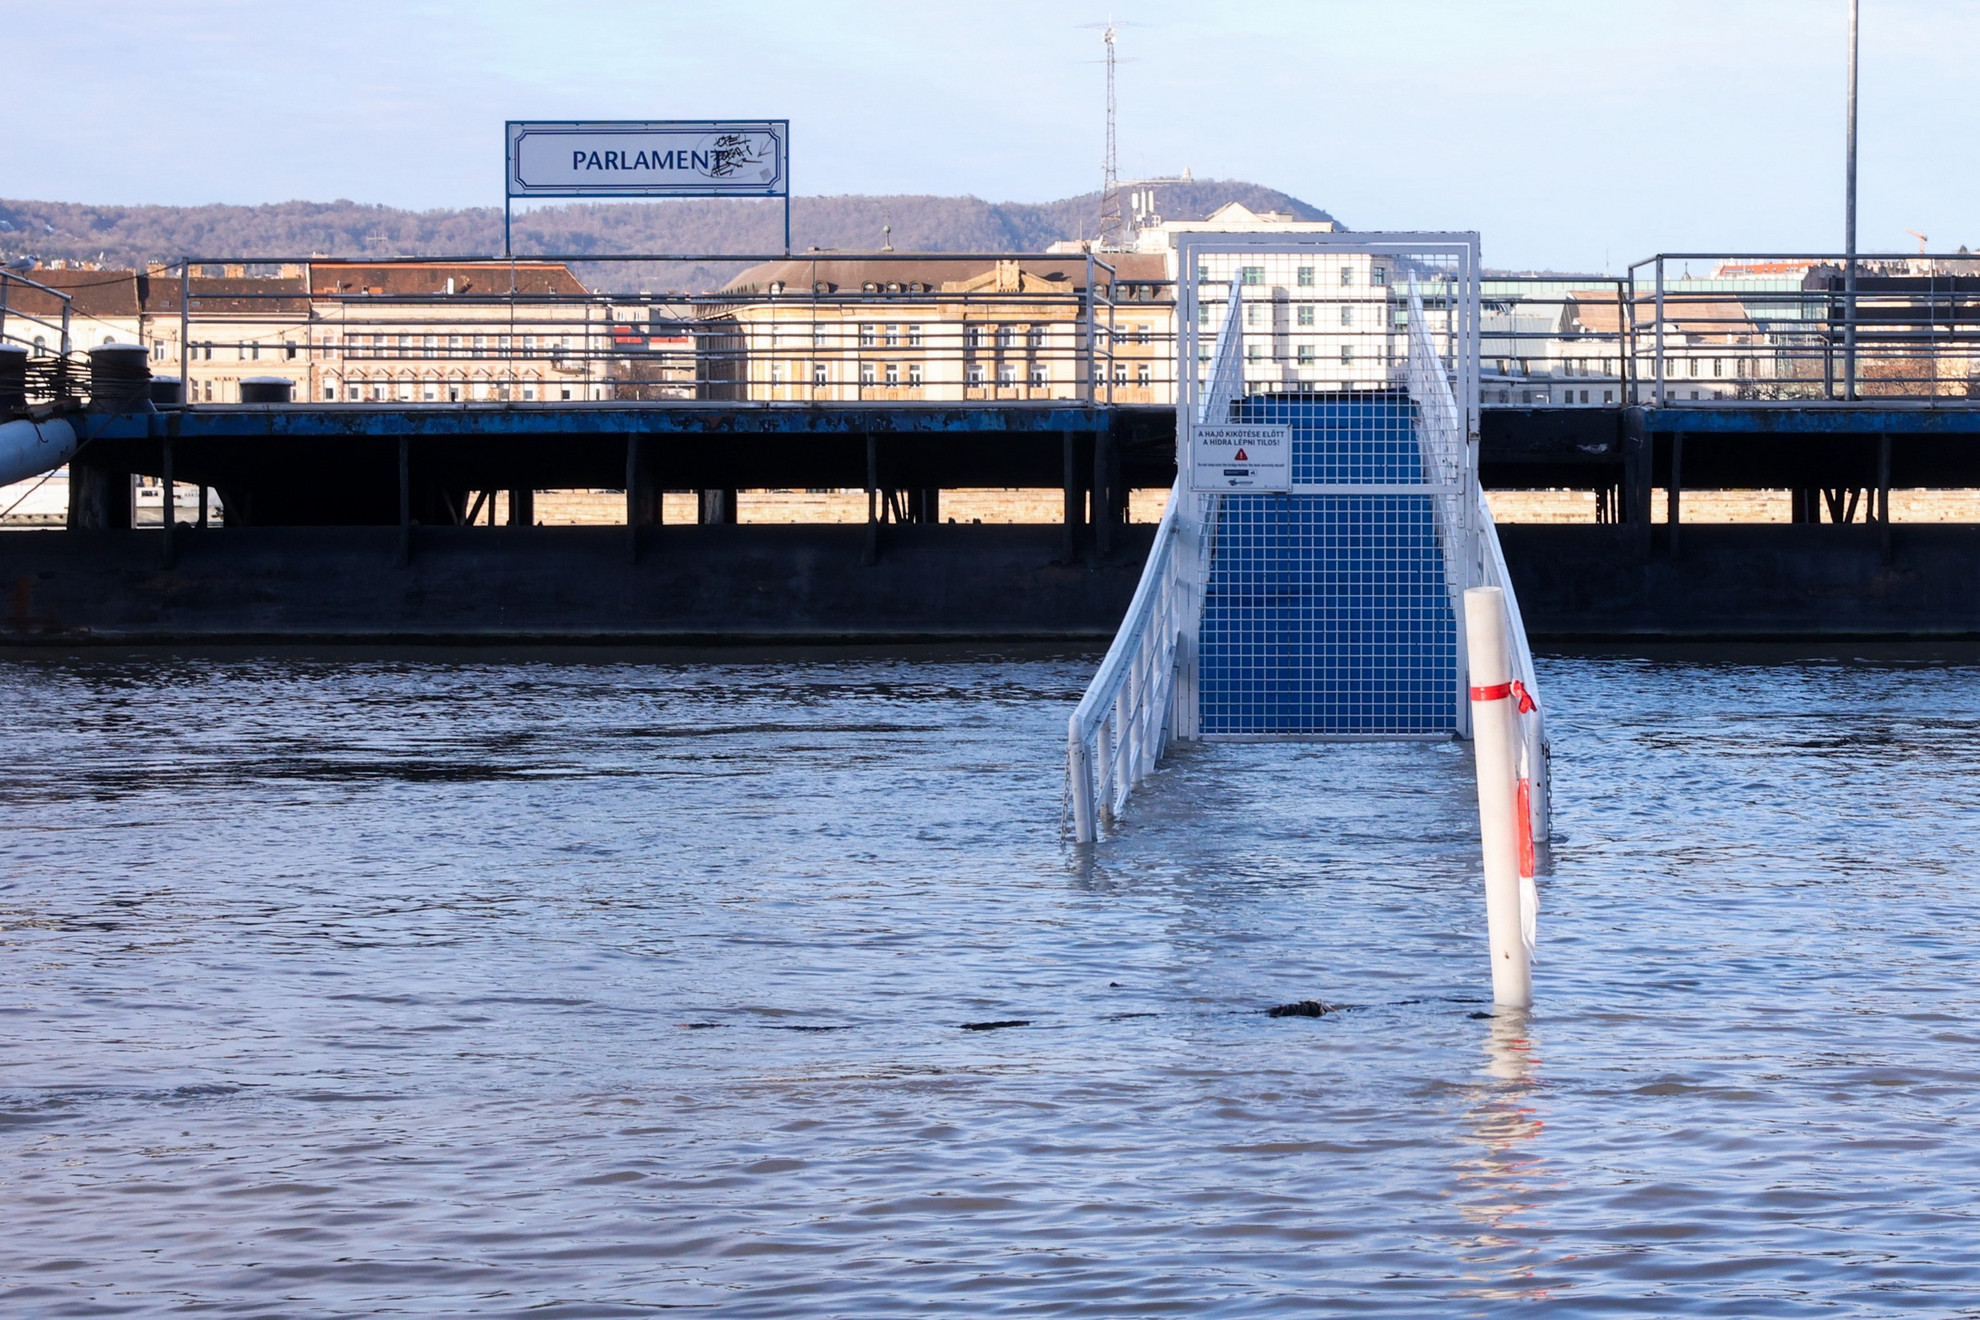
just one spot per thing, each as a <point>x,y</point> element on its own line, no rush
<point>120,379</point>
<point>267,389</point>
<point>13,377</point>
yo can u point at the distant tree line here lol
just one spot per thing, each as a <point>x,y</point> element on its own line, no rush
<point>134,235</point>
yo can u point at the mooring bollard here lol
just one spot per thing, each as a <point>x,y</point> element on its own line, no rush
<point>1504,836</point>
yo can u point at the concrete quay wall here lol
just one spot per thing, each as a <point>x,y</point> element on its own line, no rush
<point>689,584</point>
<point>769,583</point>
<point>1746,582</point>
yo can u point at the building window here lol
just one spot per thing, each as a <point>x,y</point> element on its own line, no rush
<point>529,392</point>
<point>566,393</point>
<point>1347,276</point>
<point>1254,352</point>
<point>1007,373</point>
<point>893,373</point>
<point>1694,366</point>
<point>1038,373</point>
<point>1141,374</point>
<point>1306,277</point>
<point>1378,275</point>
<point>1347,316</point>
<point>1034,338</point>
<point>867,336</point>
<point>1306,355</point>
<point>1347,354</point>
<point>1306,315</point>
<point>914,336</point>
<point>1718,366</point>
<point>776,373</point>
<point>866,376</point>
<point>1004,337</point>
<point>818,373</point>
<point>914,373</point>
<point>1608,396</point>
<point>1203,273</point>
<point>972,337</point>
<point>1251,275</point>
<point>893,336</point>
<point>429,392</point>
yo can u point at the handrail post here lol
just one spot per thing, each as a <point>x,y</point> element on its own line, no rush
<point>1660,332</point>
<point>1079,771</point>
<point>185,329</point>
<point>1091,348</point>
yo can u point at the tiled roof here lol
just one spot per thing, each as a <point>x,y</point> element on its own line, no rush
<point>99,293</point>
<point>239,296</point>
<point>416,278</point>
<point>851,273</point>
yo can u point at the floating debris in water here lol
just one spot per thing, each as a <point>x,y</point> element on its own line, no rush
<point>996,1026</point>
<point>1304,1008</point>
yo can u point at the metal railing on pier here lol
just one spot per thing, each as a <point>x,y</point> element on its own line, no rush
<point>1725,328</point>
<point>38,319</point>
<point>882,327</point>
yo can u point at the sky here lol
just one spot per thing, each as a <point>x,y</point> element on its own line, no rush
<point>1573,134</point>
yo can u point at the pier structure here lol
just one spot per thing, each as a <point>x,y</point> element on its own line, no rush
<point>370,419</point>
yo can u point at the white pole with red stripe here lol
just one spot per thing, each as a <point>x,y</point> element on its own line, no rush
<point>1495,736</point>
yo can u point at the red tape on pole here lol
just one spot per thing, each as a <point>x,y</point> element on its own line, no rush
<point>1501,691</point>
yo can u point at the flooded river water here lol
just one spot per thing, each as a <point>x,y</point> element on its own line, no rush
<point>597,989</point>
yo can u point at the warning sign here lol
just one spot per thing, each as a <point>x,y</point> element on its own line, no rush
<point>1234,458</point>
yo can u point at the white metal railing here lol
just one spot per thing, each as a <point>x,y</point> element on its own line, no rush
<point>1144,694</point>
<point>1472,557</point>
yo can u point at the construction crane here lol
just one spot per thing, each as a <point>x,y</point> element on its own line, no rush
<point>1921,240</point>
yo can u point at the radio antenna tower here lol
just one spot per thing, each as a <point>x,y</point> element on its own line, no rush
<point>1110,182</point>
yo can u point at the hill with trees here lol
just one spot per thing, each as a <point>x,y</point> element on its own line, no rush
<point>135,235</point>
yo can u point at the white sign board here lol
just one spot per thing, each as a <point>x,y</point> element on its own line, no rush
<point>1236,458</point>
<point>650,158</point>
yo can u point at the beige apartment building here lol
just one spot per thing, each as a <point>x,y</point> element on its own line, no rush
<point>431,332</point>
<point>350,331</point>
<point>877,329</point>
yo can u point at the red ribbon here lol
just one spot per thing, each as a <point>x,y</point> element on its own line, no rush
<point>1500,691</point>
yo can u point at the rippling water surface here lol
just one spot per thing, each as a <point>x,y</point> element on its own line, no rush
<point>598,989</point>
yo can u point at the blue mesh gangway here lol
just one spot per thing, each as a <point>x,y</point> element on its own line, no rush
<point>1331,614</point>
<point>1328,608</point>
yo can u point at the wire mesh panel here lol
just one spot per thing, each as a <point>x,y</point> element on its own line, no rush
<point>1330,614</point>
<point>1329,610</point>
